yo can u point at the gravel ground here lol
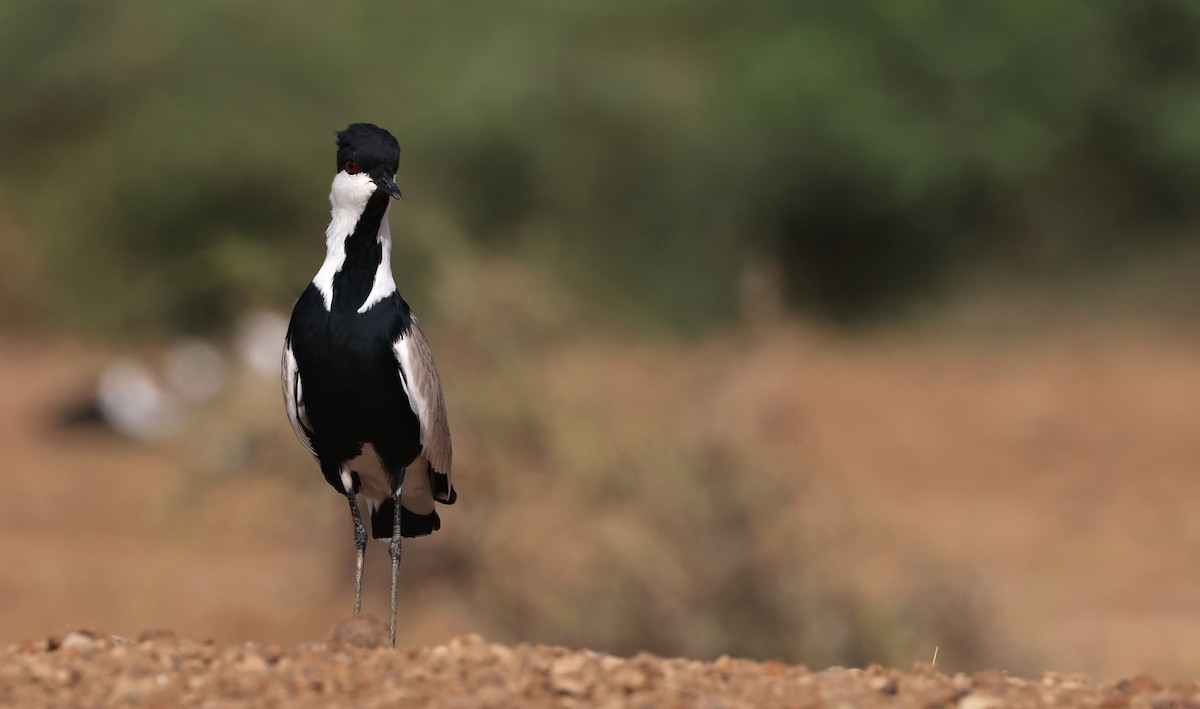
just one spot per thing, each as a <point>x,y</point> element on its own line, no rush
<point>354,668</point>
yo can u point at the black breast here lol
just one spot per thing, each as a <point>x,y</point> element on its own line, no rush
<point>351,381</point>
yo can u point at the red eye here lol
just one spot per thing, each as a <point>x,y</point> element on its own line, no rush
<point>351,167</point>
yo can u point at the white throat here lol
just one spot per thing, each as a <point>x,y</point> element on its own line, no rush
<point>348,198</point>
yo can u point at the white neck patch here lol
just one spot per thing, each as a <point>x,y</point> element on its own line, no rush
<point>348,198</point>
<point>384,284</point>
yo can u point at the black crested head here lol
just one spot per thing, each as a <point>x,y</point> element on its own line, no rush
<point>368,148</point>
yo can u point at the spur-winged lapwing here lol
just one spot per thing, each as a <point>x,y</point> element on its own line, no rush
<point>359,382</point>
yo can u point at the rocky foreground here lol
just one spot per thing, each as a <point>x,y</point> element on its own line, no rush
<point>353,667</point>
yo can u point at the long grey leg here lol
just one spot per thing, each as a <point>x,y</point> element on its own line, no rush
<point>394,551</point>
<point>360,545</point>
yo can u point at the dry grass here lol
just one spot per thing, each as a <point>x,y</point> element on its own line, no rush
<point>770,494</point>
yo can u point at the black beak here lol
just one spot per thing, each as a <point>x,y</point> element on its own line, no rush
<point>387,183</point>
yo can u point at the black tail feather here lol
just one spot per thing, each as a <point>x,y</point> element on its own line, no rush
<point>411,523</point>
<point>443,492</point>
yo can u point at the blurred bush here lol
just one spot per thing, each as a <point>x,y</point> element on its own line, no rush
<point>616,494</point>
<point>168,163</point>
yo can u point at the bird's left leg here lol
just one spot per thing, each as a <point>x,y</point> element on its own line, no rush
<point>394,552</point>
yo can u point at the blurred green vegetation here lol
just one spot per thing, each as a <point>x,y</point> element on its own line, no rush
<point>167,163</point>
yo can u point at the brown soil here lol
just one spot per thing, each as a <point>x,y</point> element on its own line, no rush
<point>1057,477</point>
<point>355,668</point>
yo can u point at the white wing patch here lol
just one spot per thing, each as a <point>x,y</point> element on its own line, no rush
<point>419,377</point>
<point>408,376</point>
<point>293,396</point>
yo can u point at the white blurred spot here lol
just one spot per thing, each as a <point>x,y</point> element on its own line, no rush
<point>195,369</point>
<point>133,403</point>
<point>259,337</point>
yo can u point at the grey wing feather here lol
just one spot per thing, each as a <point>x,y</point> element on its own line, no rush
<point>424,390</point>
<point>293,397</point>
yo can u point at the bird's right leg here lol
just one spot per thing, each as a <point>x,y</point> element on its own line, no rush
<point>360,545</point>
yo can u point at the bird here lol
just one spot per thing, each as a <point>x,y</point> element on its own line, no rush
<point>360,385</point>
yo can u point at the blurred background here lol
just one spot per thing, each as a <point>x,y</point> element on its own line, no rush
<point>832,333</point>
